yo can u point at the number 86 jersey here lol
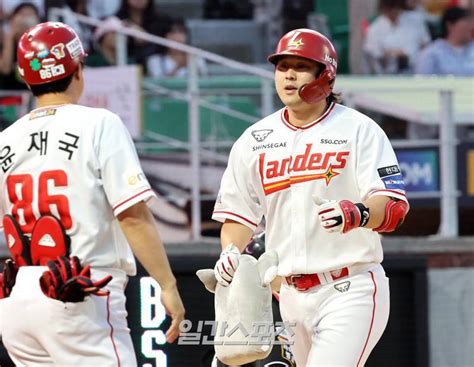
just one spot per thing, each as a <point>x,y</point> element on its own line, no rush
<point>80,165</point>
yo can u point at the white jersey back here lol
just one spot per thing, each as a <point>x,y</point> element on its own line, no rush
<point>274,168</point>
<point>79,164</point>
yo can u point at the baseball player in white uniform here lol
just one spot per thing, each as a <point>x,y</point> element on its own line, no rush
<point>78,164</point>
<point>327,182</point>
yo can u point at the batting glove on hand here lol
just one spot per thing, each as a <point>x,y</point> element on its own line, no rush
<point>67,281</point>
<point>227,265</point>
<point>341,216</point>
<point>8,278</point>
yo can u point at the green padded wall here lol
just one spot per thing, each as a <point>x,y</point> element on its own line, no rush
<point>169,117</point>
<point>337,12</point>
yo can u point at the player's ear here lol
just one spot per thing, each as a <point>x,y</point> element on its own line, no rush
<point>78,74</point>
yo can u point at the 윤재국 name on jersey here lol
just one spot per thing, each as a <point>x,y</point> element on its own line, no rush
<point>6,158</point>
<point>388,171</point>
<point>39,142</point>
<point>68,143</point>
<point>269,146</point>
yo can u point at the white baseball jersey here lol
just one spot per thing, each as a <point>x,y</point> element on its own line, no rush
<point>274,168</point>
<point>79,164</point>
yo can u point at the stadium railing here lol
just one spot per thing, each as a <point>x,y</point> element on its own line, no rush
<point>441,113</point>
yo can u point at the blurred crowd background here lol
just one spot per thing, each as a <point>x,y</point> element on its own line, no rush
<point>372,37</point>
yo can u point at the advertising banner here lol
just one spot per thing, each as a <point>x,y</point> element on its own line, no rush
<point>117,89</point>
<point>420,169</point>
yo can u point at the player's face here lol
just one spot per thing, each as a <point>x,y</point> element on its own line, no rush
<point>291,73</point>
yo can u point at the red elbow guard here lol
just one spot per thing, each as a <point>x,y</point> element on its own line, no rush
<point>395,213</point>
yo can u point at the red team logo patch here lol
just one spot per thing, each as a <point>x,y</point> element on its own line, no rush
<point>304,167</point>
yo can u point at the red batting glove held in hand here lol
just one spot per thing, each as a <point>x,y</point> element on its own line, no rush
<point>227,265</point>
<point>67,281</point>
<point>8,278</point>
<point>341,216</point>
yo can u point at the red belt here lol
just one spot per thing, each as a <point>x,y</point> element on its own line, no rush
<point>303,282</point>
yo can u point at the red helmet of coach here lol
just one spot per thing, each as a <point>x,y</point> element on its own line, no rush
<point>314,46</point>
<point>48,52</point>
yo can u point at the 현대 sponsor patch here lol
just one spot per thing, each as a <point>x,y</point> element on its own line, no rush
<point>388,171</point>
<point>392,177</point>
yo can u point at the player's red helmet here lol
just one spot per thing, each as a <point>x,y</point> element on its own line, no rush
<point>48,52</point>
<point>314,46</point>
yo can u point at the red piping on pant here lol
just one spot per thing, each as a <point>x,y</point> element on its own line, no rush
<point>112,330</point>
<point>372,321</point>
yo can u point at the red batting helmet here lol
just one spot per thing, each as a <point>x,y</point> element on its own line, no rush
<point>314,46</point>
<point>48,52</point>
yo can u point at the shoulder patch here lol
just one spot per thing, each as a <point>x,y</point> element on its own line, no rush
<point>394,182</point>
<point>388,171</point>
<point>42,113</point>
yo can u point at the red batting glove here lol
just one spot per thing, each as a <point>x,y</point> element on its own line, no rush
<point>68,281</point>
<point>8,278</point>
<point>341,216</point>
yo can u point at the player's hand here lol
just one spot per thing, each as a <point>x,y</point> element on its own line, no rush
<point>341,216</point>
<point>227,265</point>
<point>171,300</point>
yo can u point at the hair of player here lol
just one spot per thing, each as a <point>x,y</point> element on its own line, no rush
<point>58,86</point>
<point>334,97</point>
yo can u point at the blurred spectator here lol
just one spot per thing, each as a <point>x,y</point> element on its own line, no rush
<point>82,30</point>
<point>415,13</point>
<point>174,62</point>
<point>395,38</point>
<point>295,13</point>
<point>22,18</point>
<point>454,53</point>
<point>104,53</point>
<point>228,9</point>
<point>102,9</point>
<point>9,6</point>
<point>451,55</point>
<point>436,7</point>
<point>141,15</point>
